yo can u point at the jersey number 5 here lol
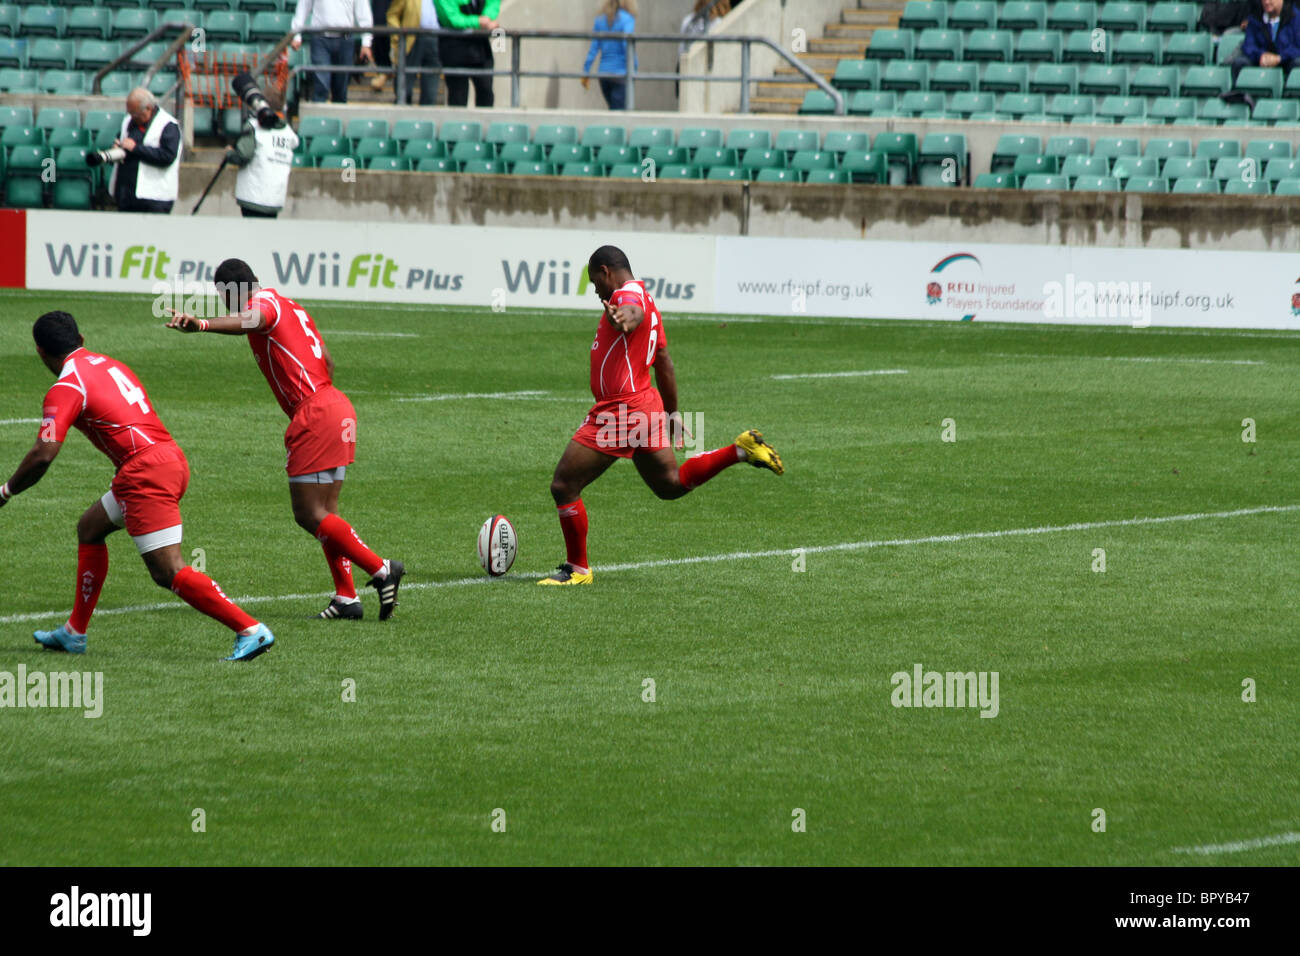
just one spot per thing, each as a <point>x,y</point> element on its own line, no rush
<point>306,327</point>
<point>654,337</point>
<point>130,394</point>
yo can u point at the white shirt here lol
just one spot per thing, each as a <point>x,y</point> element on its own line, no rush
<point>338,15</point>
<point>428,15</point>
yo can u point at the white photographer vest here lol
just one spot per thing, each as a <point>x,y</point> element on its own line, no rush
<point>160,183</point>
<point>264,179</point>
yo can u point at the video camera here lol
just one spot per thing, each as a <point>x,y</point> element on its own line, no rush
<point>99,157</point>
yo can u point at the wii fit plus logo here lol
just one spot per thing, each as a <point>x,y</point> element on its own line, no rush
<point>76,909</point>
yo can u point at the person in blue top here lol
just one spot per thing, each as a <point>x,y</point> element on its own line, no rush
<point>616,16</point>
<point>1272,39</point>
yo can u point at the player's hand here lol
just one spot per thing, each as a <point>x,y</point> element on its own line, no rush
<point>184,322</point>
<point>128,144</point>
<point>677,428</point>
<point>622,317</point>
<point>366,55</point>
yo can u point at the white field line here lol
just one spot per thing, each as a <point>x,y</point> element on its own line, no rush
<point>374,335</point>
<point>865,372</point>
<point>529,395</point>
<point>730,556</point>
<point>20,421</point>
<point>1239,846</point>
<point>1126,358</point>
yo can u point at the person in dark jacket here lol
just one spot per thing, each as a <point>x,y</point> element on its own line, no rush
<point>147,179</point>
<point>1272,40</point>
<point>468,51</point>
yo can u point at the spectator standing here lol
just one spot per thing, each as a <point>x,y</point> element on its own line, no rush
<point>468,51</point>
<point>421,50</point>
<point>148,178</point>
<point>339,18</point>
<point>379,14</point>
<point>1272,39</point>
<point>616,16</point>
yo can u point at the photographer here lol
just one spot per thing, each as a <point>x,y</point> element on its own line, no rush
<point>146,157</point>
<point>263,153</point>
<point>468,51</point>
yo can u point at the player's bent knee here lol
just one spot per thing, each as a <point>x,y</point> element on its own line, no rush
<point>564,492</point>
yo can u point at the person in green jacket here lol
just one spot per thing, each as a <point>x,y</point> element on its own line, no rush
<point>467,51</point>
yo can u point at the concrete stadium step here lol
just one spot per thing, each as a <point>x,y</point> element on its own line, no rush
<point>838,47</point>
<point>783,91</point>
<point>771,104</point>
<point>879,18</point>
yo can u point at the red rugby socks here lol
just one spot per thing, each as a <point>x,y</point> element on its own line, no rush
<point>338,534</point>
<point>698,469</point>
<point>573,522</point>
<point>204,595</point>
<point>341,569</point>
<point>92,569</point>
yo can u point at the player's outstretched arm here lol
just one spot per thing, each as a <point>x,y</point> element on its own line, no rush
<point>239,323</point>
<point>624,317</point>
<point>666,382</point>
<point>31,470</point>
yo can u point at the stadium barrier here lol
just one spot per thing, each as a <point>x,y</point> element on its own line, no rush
<point>505,268</point>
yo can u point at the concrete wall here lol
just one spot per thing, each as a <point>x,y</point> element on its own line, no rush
<point>774,19</point>
<point>653,16</point>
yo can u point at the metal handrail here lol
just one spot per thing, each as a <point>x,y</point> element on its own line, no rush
<point>187,30</point>
<point>517,73</point>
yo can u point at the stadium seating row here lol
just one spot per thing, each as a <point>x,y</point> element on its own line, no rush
<point>1138,184</point>
<point>131,23</point>
<point>1161,15</point>
<point>1051,46</point>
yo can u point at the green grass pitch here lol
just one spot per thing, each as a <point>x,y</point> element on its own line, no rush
<point>1119,690</point>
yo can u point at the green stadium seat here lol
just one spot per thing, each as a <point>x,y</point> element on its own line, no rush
<point>1277,170</point>
<point>936,44</point>
<point>132,24</point>
<point>309,127</point>
<point>1154,81</point>
<point>1167,109</point>
<point>268,26</point>
<point>418,149</point>
<point>72,193</point>
<point>1146,184</point>
<point>856,75</point>
<point>695,137</point>
<point>1137,48</point>
<point>680,172</point>
<point>1095,184</point>
<point>24,186</point>
<point>433,165</point>
<point>1291,88</point>
<point>562,153</point>
<point>967,105</point>
<point>903,153</point>
<point>954,77</point>
<point>1054,78</point>
<point>995,181</point>
<point>392,164</point>
<point>1045,181</point>
<point>643,137</point>
<point>746,139</point>
<point>663,156</point>
<point>1191,185</point>
<point>1085,46</point>
<point>471,151</point>
<point>68,137</point>
<point>1287,187</point>
<point>535,168</point>
<point>16,116</point>
<point>1112,147</point>
<point>258,6</point>
<point>8,20</point>
<point>918,103</point>
<point>891,45</point>
<point>117,84</point>
<point>1143,167</point>
<point>753,160</point>
<point>1173,18</point>
<point>53,117</point>
<point>208,5</point>
<point>1163,149</point>
<point>1242,187</point>
<point>1005,78</point>
<point>359,129</point>
<point>511,153</point>
<point>842,141</point>
<point>1081,164</point>
<point>1265,150</point>
<point>989,46</point>
<point>406,130</point>
<point>817,103</point>
<point>972,15</point>
<point>791,141</point>
<point>903,75</point>
<point>1236,167</point>
<point>13,53</point>
<point>776,176</point>
<point>1260,82</point>
<point>1118,109</point>
<point>371,146</point>
<point>1067,146</point>
<point>45,53</point>
<point>12,136</point>
<point>1189,49</point>
<point>805,161</point>
<point>621,171</point>
<point>473,132</point>
<point>501,133</point>
<point>712,156</point>
<point>1206,81</point>
<point>485,167</point>
<point>1019,105</point>
<point>919,14</point>
<point>1023,16</point>
<point>1011,146</point>
<point>1185,167</point>
<point>1276,112</point>
<point>1100,80</point>
<point>871,102</point>
<point>942,160</point>
<point>1072,109</point>
<point>866,167</point>
<point>226,25</point>
<point>92,22</point>
<point>95,120</point>
<point>1214,149</point>
<point>42,21</point>
<point>1072,16</point>
<point>595,137</point>
<point>93,54</point>
<point>1121,17</point>
<point>725,174</point>
<point>828,177</point>
<point>1038,46</point>
<point>321,147</point>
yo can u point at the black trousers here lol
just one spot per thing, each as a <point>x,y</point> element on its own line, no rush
<point>254,214</point>
<point>424,55</point>
<point>467,52</point>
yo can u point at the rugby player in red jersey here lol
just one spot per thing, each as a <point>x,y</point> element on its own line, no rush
<point>630,415</point>
<point>104,400</point>
<point>322,436</point>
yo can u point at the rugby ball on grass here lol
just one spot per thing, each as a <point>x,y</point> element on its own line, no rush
<point>497,545</point>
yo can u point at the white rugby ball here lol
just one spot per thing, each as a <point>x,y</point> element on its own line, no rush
<point>497,545</point>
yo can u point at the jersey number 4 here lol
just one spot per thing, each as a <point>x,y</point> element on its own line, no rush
<point>130,394</point>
